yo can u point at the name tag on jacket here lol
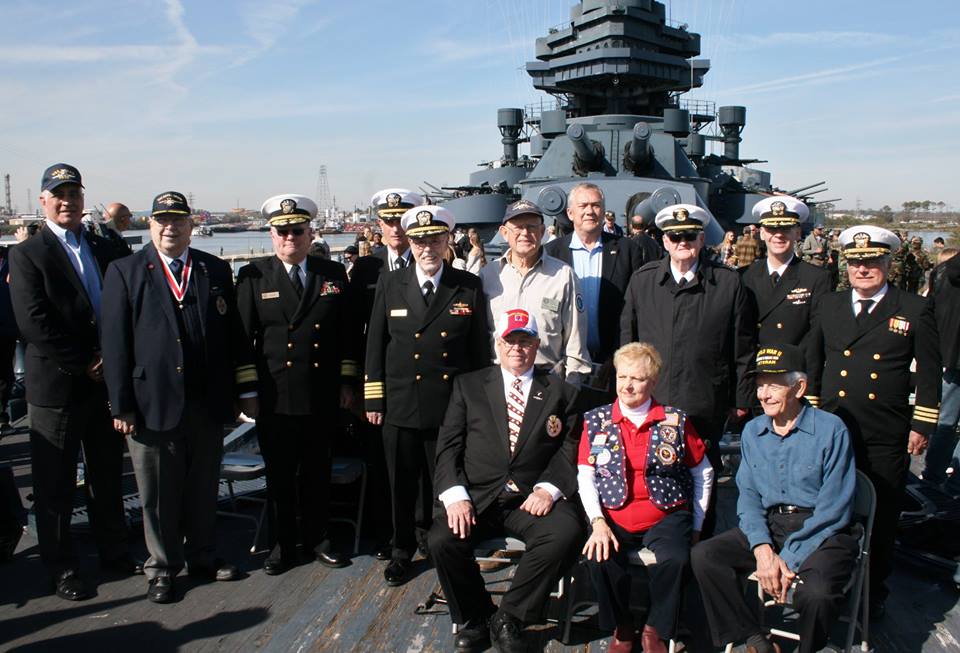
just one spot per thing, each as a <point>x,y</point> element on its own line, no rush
<point>270,295</point>
<point>398,312</point>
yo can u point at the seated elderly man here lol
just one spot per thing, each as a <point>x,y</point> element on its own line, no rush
<point>797,481</point>
<point>505,466</point>
<point>645,464</point>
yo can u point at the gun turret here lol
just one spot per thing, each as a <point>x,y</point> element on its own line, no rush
<point>588,154</point>
<point>638,153</point>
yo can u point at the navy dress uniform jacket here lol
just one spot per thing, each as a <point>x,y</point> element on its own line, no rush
<point>785,312</point>
<point>620,259</point>
<point>55,317</point>
<point>304,347</point>
<point>705,334</point>
<point>866,379</point>
<point>414,352</point>
<point>473,448</point>
<point>143,362</point>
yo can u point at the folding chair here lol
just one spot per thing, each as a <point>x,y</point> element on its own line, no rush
<point>240,467</point>
<point>857,588</point>
<point>344,472</point>
<point>643,558</point>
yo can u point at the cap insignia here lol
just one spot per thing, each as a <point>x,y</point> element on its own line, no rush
<point>681,215</point>
<point>62,174</point>
<point>167,199</point>
<point>424,218</point>
<point>524,204</point>
<point>777,209</point>
<point>288,206</point>
<point>393,200</point>
<point>862,240</point>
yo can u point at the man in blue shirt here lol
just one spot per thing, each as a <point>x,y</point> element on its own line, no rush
<point>797,480</point>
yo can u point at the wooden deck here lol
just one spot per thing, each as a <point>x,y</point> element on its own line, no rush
<point>312,608</point>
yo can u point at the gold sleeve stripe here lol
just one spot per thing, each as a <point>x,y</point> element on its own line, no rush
<point>373,384</point>
<point>370,395</point>
<point>924,409</point>
<point>928,420</point>
<point>246,376</point>
<point>349,368</point>
<point>813,400</point>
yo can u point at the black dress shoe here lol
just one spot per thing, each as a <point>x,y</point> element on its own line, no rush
<point>123,565</point>
<point>160,589</point>
<point>473,636</point>
<point>332,559</point>
<point>396,572</point>
<point>383,551</point>
<point>506,633</point>
<point>219,569</point>
<point>69,587</point>
<point>275,566</point>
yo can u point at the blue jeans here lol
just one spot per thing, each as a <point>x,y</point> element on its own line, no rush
<point>944,450</point>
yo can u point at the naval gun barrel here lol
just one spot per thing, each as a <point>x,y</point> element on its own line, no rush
<point>802,188</point>
<point>588,154</point>
<point>639,153</point>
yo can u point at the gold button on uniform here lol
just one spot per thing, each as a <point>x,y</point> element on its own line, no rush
<point>873,375</point>
<point>418,377</point>
<point>846,352</point>
<point>872,396</point>
<point>416,357</point>
<point>416,335</point>
<point>446,377</point>
<point>316,345</point>
<point>876,357</point>
<point>779,325</point>
<point>843,372</point>
<point>317,326</point>
<point>179,370</point>
<point>443,334</point>
<point>289,363</point>
<point>316,364</point>
<point>289,345</point>
<point>444,354</point>
<point>842,393</point>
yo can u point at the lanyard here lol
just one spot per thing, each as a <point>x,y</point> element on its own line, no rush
<point>178,289</point>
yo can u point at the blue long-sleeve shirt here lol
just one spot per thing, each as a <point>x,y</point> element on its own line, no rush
<point>812,466</point>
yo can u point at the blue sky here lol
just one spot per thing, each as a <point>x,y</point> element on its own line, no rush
<point>239,100</point>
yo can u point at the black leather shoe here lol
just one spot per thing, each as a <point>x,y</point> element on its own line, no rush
<point>69,587</point>
<point>275,566</point>
<point>219,569</point>
<point>332,559</point>
<point>160,589</point>
<point>123,565</point>
<point>473,636</point>
<point>506,633</point>
<point>396,572</point>
<point>383,551</point>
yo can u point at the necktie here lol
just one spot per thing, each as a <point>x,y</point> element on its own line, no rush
<point>682,282</point>
<point>775,279</point>
<point>295,279</point>
<point>427,292</point>
<point>515,406</point>
<point>865,305</point>
<point>399,263</point>
<point>176,267</point>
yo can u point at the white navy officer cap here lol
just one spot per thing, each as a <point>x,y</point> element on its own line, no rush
<point>427,220</point>
<point>867,241</point>
<point>682,217</point>
<point>780,211</point>
<point>392,203</point>
<point>287,209</point>
<point>516,319</point>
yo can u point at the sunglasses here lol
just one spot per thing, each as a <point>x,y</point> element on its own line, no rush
<point>296,231</point>
<point>688,236</point>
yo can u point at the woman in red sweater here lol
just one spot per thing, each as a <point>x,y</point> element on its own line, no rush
<point>644,482</point>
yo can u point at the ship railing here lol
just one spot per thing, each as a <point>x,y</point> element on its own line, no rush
<point>532,112</point>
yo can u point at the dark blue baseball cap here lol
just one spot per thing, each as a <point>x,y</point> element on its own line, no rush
<point>170,202</point>
<point>59,174</point>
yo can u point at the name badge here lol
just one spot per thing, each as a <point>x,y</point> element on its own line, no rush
<point>550,304</point>
<point>398,312</point>
<point>270,295</point>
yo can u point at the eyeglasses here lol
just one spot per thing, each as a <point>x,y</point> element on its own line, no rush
<point>520,343</point>
<point>687,236</point>
<point>296,231</point>
<point>529,228</point>
<point>429,241</point>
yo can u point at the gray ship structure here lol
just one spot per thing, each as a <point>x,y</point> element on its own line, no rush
<point>618,72</point>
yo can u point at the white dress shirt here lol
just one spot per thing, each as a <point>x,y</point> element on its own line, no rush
<point>423,278</point>
<point>689,275</point>
<point>855,298</point>
<point>303,270</point>
<point>393,255</point>
<point>780,270</point>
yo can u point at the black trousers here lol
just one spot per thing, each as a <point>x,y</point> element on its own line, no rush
<point>296,451</point>
<point>8,347</point>
<point>56,434</point>
<point>886,465</point>
<point>721,563</point>
<point>552,542</point>
<point>378,511</point>
<point>411,458</point>
<point>669,539</point>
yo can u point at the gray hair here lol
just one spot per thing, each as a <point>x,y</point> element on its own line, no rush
<point>586,185</point>
<point>793,378</point>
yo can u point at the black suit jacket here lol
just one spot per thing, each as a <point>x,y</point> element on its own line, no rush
<point>705,332</point>
<point>414,353</point>
<point>786,311</point>
<point>55,317</point>
<point>620,259</point>
<point>304,346</point>
<point>143,362</point>
<point>866,378</point>
<point>473,449</point>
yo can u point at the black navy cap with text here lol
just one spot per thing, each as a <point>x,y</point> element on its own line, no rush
<point>170,202</point>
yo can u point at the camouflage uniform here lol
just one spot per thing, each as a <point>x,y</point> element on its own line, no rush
<point>915,266</point>
<point>843,281</point>
<point>896,276</point>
